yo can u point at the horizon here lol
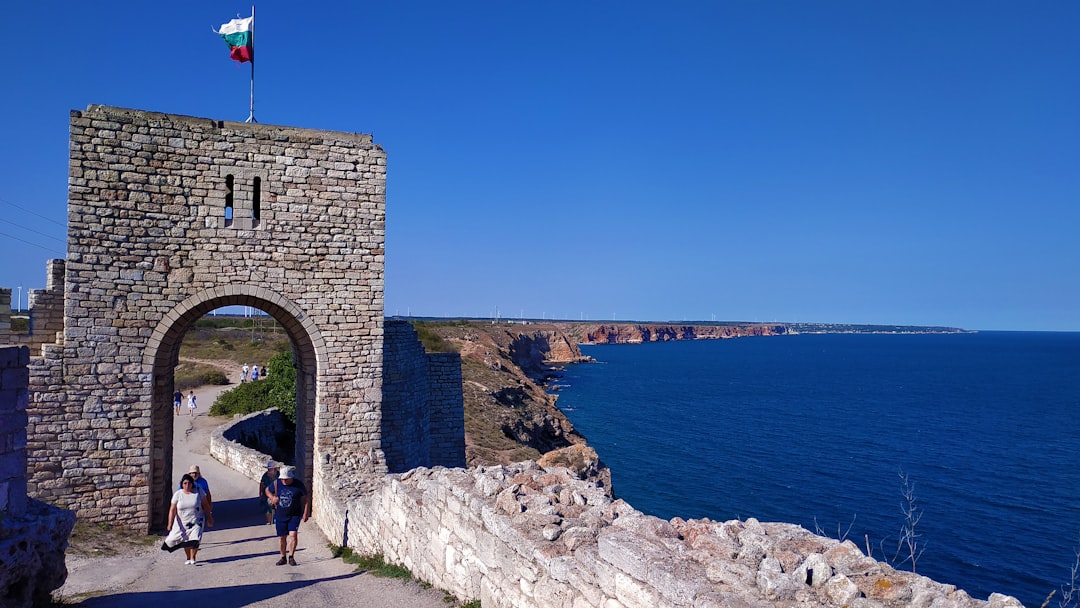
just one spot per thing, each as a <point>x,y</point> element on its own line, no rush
<point>836,163</point>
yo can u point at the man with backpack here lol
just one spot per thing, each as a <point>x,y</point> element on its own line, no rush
<point>292,505</point>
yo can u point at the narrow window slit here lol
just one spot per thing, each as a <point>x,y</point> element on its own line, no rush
<point>256,191</point>
<point>228,200</point>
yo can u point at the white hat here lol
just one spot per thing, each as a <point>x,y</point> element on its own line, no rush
<point>286,473</point>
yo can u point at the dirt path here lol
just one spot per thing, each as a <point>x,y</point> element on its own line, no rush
<point>236,560</point>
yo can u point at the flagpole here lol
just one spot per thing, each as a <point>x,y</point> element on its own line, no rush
<point>251,106</point>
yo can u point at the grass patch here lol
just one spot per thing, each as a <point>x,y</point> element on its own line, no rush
<point>372,564</point>
<point>432,341</point>
<point>193,375</point>
<point>233,344</point>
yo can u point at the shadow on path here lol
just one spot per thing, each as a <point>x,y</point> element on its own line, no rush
<point>238,595</point>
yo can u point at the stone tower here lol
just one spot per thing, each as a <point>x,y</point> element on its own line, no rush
<point>169,218</point>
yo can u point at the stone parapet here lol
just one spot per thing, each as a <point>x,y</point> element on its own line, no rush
<point>237,444</point>
<point>45,311</point>
<point>524,536</point>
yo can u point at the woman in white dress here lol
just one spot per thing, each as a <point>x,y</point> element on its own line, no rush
<point>188,514</point>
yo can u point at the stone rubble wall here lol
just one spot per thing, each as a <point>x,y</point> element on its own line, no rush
<point>33,535</point>
<point>45,308</point>
<point>528,537</point>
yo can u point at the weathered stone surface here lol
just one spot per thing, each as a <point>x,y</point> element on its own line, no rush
<point>33,535</point>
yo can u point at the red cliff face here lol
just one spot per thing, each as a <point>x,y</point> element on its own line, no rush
<point>634,334</point>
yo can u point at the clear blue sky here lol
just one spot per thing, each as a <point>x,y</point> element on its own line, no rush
<point>912,162</point>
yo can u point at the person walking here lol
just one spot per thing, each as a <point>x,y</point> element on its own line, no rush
<point>267,480</point>
<point>254,373</point>
<point>292,505</point>
<point>189,513</point>
<point>200,483</point>
<point>243,373</point>
<point>177,399</point>
<point>191,403</point>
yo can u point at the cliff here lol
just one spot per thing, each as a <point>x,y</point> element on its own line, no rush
<point>638,333</point>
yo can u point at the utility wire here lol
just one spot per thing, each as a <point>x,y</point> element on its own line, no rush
<point>49,236</point>
<point>21,208</point>
<point>49,249</point>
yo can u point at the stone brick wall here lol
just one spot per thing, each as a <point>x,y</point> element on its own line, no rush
<point>406,422</point>
<point>446,403</point>
<point>423,405</point>
<point>170,217</point>
<point>46,310</point>
<point>33,535</point>
<point>14,397</point>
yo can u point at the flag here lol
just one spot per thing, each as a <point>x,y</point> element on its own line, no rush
<point>238,34</point>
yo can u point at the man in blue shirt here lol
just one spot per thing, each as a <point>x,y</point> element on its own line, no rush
<point>292,504</point>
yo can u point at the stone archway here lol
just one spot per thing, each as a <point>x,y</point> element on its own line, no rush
<point>162,352</point>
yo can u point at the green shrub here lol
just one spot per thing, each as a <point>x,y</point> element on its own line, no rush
<point>278,389</point>
<point>243,399</point>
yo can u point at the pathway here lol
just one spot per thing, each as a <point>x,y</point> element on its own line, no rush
<point>237,556</point>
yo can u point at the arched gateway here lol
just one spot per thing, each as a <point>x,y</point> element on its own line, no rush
<point>170,217</point>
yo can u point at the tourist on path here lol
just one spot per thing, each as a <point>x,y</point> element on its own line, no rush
<point>254,373</point>
<point>200,483</point>
<point>292,505</point>
<point>192,404</point>
<point>267,480</point>
<point>243,373</point>
<point>177,399</point>
<point>189,513</point>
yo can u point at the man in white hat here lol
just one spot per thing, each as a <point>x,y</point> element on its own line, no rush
<point>292,505</point>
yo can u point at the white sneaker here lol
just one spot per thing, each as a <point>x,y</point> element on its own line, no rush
<point>188,561</point>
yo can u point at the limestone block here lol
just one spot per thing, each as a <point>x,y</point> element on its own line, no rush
<point>840,590</point>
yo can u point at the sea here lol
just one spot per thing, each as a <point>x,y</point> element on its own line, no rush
<point>823,430</point>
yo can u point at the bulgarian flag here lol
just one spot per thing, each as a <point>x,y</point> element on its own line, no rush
<point>239,35</point>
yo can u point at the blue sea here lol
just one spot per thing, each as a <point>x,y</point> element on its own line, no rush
<point>815,430</point>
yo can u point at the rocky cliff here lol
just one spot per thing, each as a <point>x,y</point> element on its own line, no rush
<point>638,333</point>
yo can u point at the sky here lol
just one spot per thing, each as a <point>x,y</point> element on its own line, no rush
<point>913,163</point>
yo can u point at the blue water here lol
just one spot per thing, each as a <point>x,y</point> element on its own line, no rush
<point>814,429</point>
